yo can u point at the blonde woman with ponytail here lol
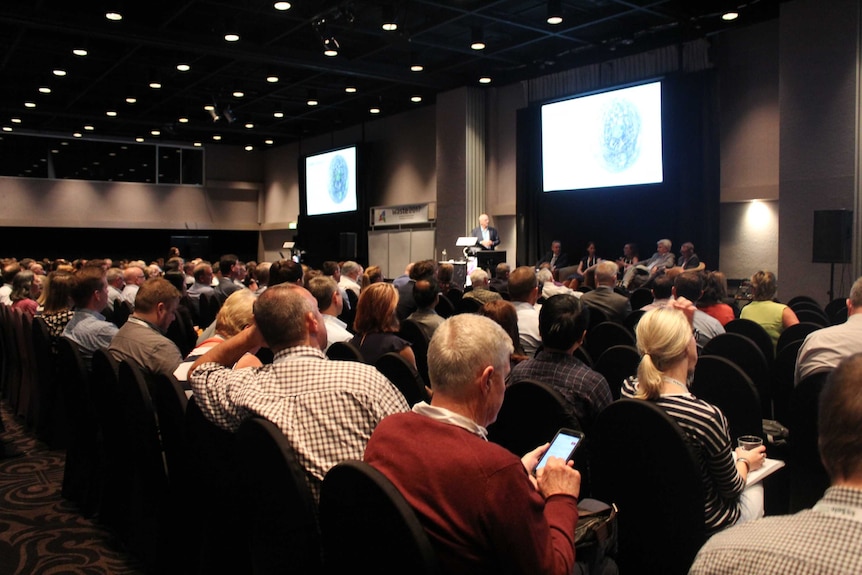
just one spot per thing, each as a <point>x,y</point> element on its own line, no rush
<point>666,342</point>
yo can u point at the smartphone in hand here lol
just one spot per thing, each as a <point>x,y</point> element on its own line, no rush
<point>564,445</point>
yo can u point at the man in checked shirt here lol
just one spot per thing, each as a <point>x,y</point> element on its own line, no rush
<point>326,409</point>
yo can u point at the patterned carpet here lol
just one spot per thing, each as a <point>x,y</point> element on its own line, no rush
<point>40,532</point>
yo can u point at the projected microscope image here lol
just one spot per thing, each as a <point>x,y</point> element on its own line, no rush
<point>339,179</point>
<point>620,137</point>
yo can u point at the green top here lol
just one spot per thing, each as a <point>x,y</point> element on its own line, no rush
<point>768,314</point>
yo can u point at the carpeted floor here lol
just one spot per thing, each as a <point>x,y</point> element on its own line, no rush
<point>40,532</point>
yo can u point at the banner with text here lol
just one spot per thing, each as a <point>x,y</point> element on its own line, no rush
<point>400,215</point>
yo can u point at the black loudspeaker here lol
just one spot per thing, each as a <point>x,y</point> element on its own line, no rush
<point>347,245</point>
<point>833,233</point>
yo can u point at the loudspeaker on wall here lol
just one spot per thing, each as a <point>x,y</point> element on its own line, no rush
<point>833,233</point>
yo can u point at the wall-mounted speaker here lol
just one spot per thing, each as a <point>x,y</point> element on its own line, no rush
<point>833,234</point>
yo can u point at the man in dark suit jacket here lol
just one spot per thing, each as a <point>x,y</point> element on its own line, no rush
<point>485,235</point>
<point>554,258</point>
<point>615,305</point>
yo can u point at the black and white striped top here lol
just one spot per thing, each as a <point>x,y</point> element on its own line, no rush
<point>705,428</point>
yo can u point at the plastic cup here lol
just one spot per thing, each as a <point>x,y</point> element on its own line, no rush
<point>749,442</point>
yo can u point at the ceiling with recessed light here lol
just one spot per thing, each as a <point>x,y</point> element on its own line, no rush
<point>168,71</point>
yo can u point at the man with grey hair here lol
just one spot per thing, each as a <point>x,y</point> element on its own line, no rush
<point>823,349</point>
<point>116,283</point>
<point>480,282</point>
<point>604,298</point>
<point>134,277</point>
<point>330,303</point>
<point>466,482</point>
<point>351,272</point>
<point>661,260</point>
<point>326,409</point>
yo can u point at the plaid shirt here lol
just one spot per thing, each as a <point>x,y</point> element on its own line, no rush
<point>326,409</point>
<point>807,543</point>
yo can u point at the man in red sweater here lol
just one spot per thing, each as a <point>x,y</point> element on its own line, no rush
<point>483,510</point>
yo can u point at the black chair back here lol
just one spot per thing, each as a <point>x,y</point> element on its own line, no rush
<point>794,332</point>
<point>344,351</point>
<point>808,478</point>
<point>208,306</point>
<point>348,313</point>
<point>277,525</point>
<point>445,307</point>
<point>454,294</point>
<point>839,316</point>
<point>635,438</point>
<point>605,335</point>
<point>812,316</point>
<point>182,330</point>
<point>617,363</point>
<point>405,377</point>
<point>631,320</point>
<point>468,305</point>
<point>597,316</point>
<point>49,417</point>
<point>411,331</point>
<point>755,332</point>
<point>835,306</point>
<point>801,298</point>
<point>745,353</point>
<point>122,311</point>
<point>583,355</point>
<point>783,374</point>
<point>81,477</point>
<point>719,381</point>
<point>367,525</point>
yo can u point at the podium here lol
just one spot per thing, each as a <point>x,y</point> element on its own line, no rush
<point>488,260</point>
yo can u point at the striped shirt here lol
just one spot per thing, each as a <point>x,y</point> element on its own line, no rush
<point>326,409</point>
<point>705,429</point>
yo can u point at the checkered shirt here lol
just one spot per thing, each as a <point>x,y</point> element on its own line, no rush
<point>326,409</point>
<point>807,543</point>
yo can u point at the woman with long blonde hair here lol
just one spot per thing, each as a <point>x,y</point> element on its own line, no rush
<point>666,342</point>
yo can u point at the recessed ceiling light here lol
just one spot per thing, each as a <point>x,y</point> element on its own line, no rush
<point>272,78</point>
<point>249,148</point>
<point>390,26</point>
<point>89,128</point>
<point>113,16</point>
<point>80,52</point>
<point>55,151</point>
<point>182,67</point>
<point>78,135</point>
<point>155,85</point>
<point>231,37</point>
<point>416,67</point>
<point>554,20</point>
<point>485,80</point>
<point>216,137</point>
<point>64,143</point>
<point>278,114</point>
<point>7,129</point>
<point>183,120</point>
<point>281,6</point>
<point>331,52</point>
<point>416,98</point>
<point>131,100</point>
<point>45,90</point>
<point>197,144</point>
<point>374,110</point>
<point>139,139</point>
<point>350,89</point>
<point>155,132</point>
<point>111,113</point>
<point>728,16</point>
<point>268,142</point>
<point>59,72</point>
<point>29,104</point>
<point>249,126</point>
<point>238,94</point>
<point>312,102</point>
<point>209,107</point>
<point>16,120</point>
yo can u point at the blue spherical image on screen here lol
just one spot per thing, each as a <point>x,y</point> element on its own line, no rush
<point>621,127</point>
<point>339,176</point>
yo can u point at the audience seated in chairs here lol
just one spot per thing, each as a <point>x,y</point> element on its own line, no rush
<point>331,305</point>
<point>615,306</point>
<point>712,302</point>
<point>426,294</point>
<point>689,285</point>
<point>479,282</point>
<point>88,327</point>
<point>562,325</point>
<point>773,316</point>
<point>669,356</point>
<point>524,291</point>
<point>448,486</point>
<point>377,325</point>
<point>327,409</point>
<point>504,313</point>
<point>57,302</point>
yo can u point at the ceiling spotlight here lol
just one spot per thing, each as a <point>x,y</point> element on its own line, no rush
<point>249,148</point>
<point>89,128</point>
<point>374,110</point>
<point>45,90</point>
<point>213,114</point>
<point>278,114</point>
<point>238,94</point>
<point>415,64</point>
<point>155,84</point>
<point>111,113</point>
<point>477,41</point>
<point>183,67</point>
<point>197,144</point>
<point>281,6</point>
<point>728,16</point>
<point>16,120</point>
<point>268,142</point>
<point>330,46</point>
<point>78,135</point>
<point>416,99</point>
<point>131,100</point>
<point>156,132</point>
<point>113,14</point>
<point>272,78</point>
<point>209,107</point>
<point>485,80</point>
<point>59,72</point>
<point>183,120</point>
<point>555,13</point>
<point>29,104</point>
<point>389,23</point>
<point>80,52</point>
<point>216,137</point>
<point>249,126</point>
<point>7,129</point>
<point>350,89</point>
<point>312,101</point>
<point>139,139</point>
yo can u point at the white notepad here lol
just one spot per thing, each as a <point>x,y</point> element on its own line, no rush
<point>769,467</point>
